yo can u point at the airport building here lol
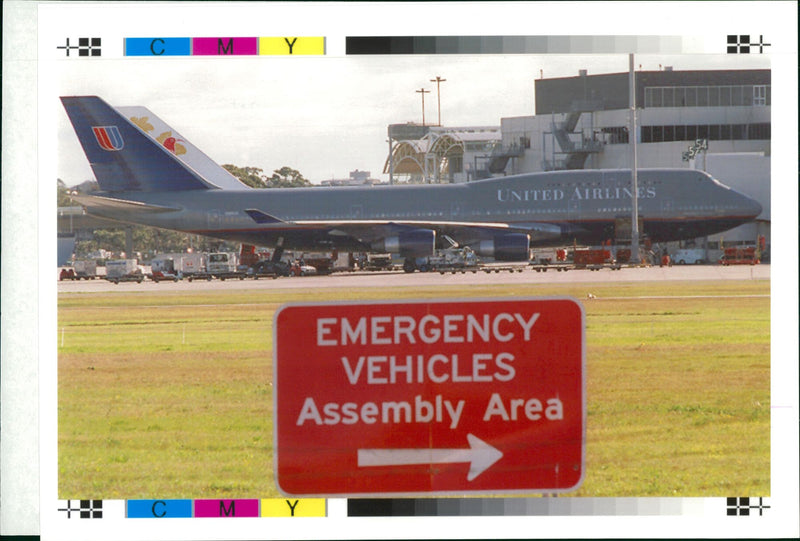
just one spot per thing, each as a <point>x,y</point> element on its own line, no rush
<point>439,154</point>
<point>714,120</point>
<point>356,178</point>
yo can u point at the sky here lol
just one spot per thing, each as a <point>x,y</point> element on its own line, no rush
<point>326,116</point>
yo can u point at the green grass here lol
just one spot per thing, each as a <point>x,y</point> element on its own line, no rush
<point>170,395</point>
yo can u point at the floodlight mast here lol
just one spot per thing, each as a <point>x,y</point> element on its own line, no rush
<point>635,259</point>
<point>438,80</point>
<point>423,92</point>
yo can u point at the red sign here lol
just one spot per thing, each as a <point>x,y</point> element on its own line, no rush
<point>428,397</point>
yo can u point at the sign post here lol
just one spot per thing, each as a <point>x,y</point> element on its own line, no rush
<point>430,397</point>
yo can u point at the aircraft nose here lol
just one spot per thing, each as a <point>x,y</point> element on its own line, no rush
<point>751,207</point>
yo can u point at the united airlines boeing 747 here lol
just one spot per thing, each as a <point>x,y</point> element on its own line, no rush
<point>149,175</point>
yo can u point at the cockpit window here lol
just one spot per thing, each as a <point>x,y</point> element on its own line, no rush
<point>718,183</point>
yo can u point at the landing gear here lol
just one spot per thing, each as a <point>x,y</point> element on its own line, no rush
<point>278,253</point>
<point>409,265</point>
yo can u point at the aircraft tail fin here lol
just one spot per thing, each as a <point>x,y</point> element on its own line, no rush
<point>182,148</point>
<point>123,158</point>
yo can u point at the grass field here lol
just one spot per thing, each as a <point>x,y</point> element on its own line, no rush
<point>170,394</point>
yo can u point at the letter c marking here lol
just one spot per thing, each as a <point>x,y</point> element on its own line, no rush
<point>160,52</point>
<point>154,508</point>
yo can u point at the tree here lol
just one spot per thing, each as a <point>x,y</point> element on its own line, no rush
<point>285,177</point>
<point>63,195</point>
<point>252,176</point>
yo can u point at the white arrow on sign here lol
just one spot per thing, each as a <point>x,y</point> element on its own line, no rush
<point>480,455</point>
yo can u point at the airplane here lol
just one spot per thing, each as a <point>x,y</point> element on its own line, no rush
<point>162,180</point>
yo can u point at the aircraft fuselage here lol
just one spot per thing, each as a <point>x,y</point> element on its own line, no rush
<point>556,207</point>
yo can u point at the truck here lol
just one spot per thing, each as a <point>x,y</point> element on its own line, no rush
<point>164,268</point>
<point>224,265</point>
<point>376,262</point>
<point>689,256</point>
<point>81,270</point>
<point>593,259</point>
<point>85,269</point>
<point>343,261</point>
<point>321,261</point>
<point>176,266</point>
<point>123,270</point>
<point>270,268</point>
<point>549,258</point>
<point>190,263</point>
<point>450,260</point>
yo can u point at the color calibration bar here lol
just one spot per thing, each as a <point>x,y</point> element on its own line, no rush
<point>235,508</point>
<point>364,45</point>
<point>450,507</point>
<point>237,46</point>
<point>225,46</point>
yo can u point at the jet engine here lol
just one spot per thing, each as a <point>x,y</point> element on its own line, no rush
<point>508,247</point>
<point>412,243</point>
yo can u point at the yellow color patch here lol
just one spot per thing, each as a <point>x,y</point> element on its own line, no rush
<point>302,45</point>
<point>294,507</point>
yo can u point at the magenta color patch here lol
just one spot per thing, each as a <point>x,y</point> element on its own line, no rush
<point>224,46</point>
<point>225,508</point>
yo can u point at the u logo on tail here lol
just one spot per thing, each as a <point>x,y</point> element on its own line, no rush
<point>108,137</point>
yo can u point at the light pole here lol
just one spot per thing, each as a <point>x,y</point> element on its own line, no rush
<point>438,97</point>
<point>423,92</point>
<point>635,257</point>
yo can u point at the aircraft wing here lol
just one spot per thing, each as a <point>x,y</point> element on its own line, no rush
<point>106,202</point>
<point>464,232</point>
<point>417,237</point>
<point>371,229</point>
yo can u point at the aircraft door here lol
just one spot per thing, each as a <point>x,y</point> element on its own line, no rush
<point>455,211</point>
<point>667,206</point>
<point>213,219</point>
<point>573,208</point>
<point>356,212</point>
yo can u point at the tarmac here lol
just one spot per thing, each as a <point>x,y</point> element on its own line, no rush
<point>401,279</point>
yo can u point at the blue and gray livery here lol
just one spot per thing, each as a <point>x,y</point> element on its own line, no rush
<point>149,176</point>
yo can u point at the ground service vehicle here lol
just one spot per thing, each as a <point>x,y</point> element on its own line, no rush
<point>376,262</point>
<point>224,265</point>
<point>450,260</point>
<point>301,269</point>
<point>123,270</point>
<point>271,268</point>
<point>741,255</point>
<point>81,270</point>
<point>593,259</point>
<point>85,269</point>
<point>689,256</point>
<point>188,264</point>
<point>164,269</point>
<point>322,262</point>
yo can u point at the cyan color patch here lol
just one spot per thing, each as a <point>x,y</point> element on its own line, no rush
<point>159,509</point>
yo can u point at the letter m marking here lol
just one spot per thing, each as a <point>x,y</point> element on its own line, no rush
<point>222,49</point>
<point>230,511</point>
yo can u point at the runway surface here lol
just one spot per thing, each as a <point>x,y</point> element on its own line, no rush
<point>401,279</point>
